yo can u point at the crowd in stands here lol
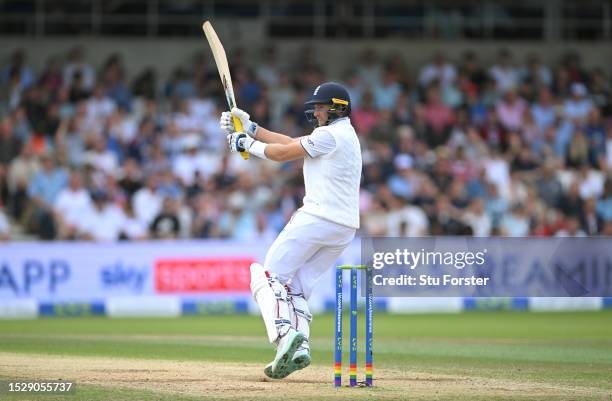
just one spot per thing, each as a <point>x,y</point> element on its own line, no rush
<point>455,147</point>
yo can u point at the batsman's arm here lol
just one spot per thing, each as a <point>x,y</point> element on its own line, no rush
<point>267,136</point>
<point>240,121</point>
<point>282,152</point>
<point>279,152</point>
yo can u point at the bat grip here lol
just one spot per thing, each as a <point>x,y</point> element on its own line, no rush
<point>238,126</point>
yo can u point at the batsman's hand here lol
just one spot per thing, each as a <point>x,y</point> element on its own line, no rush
<point>227,124</point>
<point>239,142</point>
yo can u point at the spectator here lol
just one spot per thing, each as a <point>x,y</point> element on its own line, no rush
<point>470,66</point>
<point>5,229</point>
<point>131,178</point>
<point>122,130</point>
<point>206,215</point>
<point>169,186</point>
<point>113,79</point>
<point>51,77</point>
<point>72,203</point>
<point>102,158</point>
<point>147,201</point>
<point>570,203</point>
<point>102,222</point>
<point>192,160</point>
<point>404,183</point>
<point>476,217</point>
<point>511,110</point>
<point>571,229</point>
<point>535,73</point>
<point>504,74</point>
<point>44,188</point>
<point>99,106</point>
<point>166,224</point>
<point>575,113</point>
<point>10,145</point>
<point>438,70</point>
<point>133,229</point>
<point>595,132</point>
<point>403,109</point>
<point>366,116</point>
<point>238,222</point>
<point>515,224</point>
<point>438,118</point>
<point>375,221</point>
<point>185,121</point>
<point>11,92</point>
<point>604,204</point>
<point>20,173</point>
<point>461,167</point>
<point>355,88</point>
<point>446,219</point>
<point>385,131</point>
<point>607,159</point>
<point>406,220</point>
<point>573,63</point>
<point>591,182</point>
<point>548,186</point>
<point>387,93</point>
<point>590,222</point>
<point>77,67</point>
<point>267,69</point>
<point>145,84</point>
<point>600,91</point>
<point>543,111</point>
<point>493,132</point>
<point>495,205</point>
<point>458,195</point>
<point>17,67</point>
<point>578,150</point>
<point>497,171</point>
<point>69,139</point>
<point>369,69</point>
<point>283,95</point>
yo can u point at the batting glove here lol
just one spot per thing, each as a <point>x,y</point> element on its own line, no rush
<point>227,124</point>
<point>239,142</point>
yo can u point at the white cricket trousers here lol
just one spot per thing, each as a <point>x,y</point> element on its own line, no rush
<point>305,249</point>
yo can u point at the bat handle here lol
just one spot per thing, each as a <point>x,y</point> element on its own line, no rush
<point>238,126</point>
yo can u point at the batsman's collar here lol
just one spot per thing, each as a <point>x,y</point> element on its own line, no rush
<point>338,120</point>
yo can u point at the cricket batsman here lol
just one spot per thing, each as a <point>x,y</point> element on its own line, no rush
<point>318,232</point>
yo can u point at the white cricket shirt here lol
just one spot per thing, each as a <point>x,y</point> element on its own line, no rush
<point>332,173</point>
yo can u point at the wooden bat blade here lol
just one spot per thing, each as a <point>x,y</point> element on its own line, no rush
<point>224,73</point>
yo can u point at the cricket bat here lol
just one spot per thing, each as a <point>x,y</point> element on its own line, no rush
<point>226,79</point>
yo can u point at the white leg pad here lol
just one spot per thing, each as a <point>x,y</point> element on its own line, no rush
<point>271,297</point>
<point>301,316</point>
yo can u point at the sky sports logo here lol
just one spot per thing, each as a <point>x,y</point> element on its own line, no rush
<point>195,275</point>
<point>413,259</point>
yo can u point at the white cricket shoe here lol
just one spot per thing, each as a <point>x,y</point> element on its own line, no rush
<point>283,365</point>
<point>301,358</point>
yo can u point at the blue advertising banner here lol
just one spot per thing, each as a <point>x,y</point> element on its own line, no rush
<point>211,277</point>
<point>490,267</point>
<point>86,271</point>
<point>77,277</point>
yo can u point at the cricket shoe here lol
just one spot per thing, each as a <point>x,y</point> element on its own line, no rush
<point>283,365</point>
<point>301,358</point>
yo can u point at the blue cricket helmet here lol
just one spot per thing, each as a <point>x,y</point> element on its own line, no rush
<point>331,93</point>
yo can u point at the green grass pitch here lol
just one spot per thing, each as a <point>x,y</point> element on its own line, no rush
<point>564,350</point>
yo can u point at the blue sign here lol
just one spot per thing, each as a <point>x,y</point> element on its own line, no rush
<point>490,267</point>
